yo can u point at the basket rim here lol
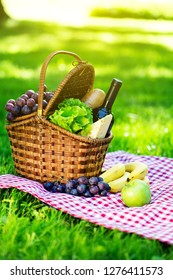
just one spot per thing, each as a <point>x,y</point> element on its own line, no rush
<point>43,120</point>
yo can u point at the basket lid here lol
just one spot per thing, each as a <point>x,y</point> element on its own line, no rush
<point>76,84</point>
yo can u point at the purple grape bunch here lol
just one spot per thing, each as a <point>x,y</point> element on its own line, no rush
<point>26,104</point>
<point>83,186</point>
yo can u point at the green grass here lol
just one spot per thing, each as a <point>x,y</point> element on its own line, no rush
<point>142,58</point>
<point>31,230</point>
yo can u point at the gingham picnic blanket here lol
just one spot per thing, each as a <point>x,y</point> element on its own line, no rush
<point>153,221</point>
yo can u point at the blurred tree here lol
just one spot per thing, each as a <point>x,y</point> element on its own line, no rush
<point>3,14</point>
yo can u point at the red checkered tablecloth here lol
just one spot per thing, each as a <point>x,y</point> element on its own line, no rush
<point>154,221</point>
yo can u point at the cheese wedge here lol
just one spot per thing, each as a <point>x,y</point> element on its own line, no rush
<point>100,127</point>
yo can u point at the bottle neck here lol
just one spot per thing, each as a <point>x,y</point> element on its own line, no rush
<point>112,93</point>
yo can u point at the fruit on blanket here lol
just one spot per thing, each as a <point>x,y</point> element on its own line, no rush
<point>94,189</point>
<point>137,169</point>
<point>116,171</point>
<point>146,180</point>
<point>136,193</point>
<point>93,180</point>
<point>119,174</point>
<point>48,186</point>
<point>83,180</point>
<point>118,184</point>
<point>103,186</point>
<point>81,188</point>
<point>87,187</point>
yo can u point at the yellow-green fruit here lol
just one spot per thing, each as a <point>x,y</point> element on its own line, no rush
<point>136,193</point>
<point>137,169</point>
<point>113,173</point>
<point>118,184</point>
<point>146,180</point>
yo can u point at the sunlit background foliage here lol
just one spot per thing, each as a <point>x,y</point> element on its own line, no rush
<point>130,40</point>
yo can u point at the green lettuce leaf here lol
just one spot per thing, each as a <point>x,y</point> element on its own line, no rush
<point>74,116</point>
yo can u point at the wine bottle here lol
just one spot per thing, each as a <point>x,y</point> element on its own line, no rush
<point>106,107</point>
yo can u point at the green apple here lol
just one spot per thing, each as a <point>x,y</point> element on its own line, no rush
<point>136,193</point>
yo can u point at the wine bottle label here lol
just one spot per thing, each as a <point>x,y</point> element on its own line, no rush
<point>106,107</point>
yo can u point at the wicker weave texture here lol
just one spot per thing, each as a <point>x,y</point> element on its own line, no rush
<point>42,152</point>
<point>76,84</point>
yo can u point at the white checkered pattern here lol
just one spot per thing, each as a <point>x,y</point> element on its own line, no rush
<point>154,221</point>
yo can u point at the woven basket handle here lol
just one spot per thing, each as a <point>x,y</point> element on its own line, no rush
<point>43,76</point>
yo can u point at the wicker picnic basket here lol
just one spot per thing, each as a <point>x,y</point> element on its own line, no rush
<point>43,151</point>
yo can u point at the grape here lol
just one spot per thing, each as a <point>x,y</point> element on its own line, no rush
<point>44,95</point>
<point>24,96</point>
<point>70,184</point>
<point>75,181</point>
<point>34,108</point>
<point>93,181</point>
<point>30,102</point>
<point>67,190</point>
<point>12,101</point>
<point>63,187</point>
<point>44,104</point>
<point>29,92</point>
<point>107,187</point>
<point>56,183</point>
<point>27,103</point>
<point>45,87</point>
<point>48,96</point>
<point>74,192</point>
<point>10,117</point>
<point>100,179</point>
<point>102,185</point>
<point>81,188</point>
<point>88,194</point>
<point>9,107</point>
<point>35,97</point>
<point>54,189</point>
<point>83,180</point>
<point>16,110</point>
<point>20,102</point>
<point>104,193</point>
<point>60,188</point>
<point>94,189</point>
<point>25,110</point>
<point>74,187</point>
<point>48,186</point>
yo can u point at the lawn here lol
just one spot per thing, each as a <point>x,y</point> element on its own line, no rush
<point>137,52</point>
